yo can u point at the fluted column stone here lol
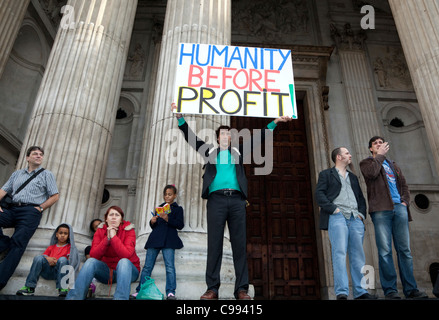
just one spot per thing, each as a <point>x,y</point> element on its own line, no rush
<point>74,117</point>
<point>11,17</point>
<point>193,21</point>
<point>75,109</point>
<point>168,158</point>
<point>362,113</point>
<point>417,24</point>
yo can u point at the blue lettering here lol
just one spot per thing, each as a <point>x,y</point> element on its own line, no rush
<point>253,59</point>
<point>283,57</point>
<point>215,50</point>
<point>271,57</point>
<point>198,55</point>
<point>191,54</point>
<point>239,58</point>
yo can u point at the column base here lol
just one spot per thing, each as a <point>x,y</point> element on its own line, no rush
<point>190,266</point>
<point>37,245</point>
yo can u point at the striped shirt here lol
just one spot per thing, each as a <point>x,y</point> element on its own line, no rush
<point>37,191</point>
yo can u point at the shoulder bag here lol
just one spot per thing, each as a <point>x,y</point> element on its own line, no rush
<point>6,201</point>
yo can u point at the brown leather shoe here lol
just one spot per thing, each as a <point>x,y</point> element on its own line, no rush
<point>209,295</point>
<point>243,295</point>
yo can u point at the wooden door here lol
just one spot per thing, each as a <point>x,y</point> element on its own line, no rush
<point>281,240</point>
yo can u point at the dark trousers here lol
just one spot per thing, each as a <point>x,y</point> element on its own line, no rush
<point>434,275</point>
<point>25,220</point>
<point>222,208</point>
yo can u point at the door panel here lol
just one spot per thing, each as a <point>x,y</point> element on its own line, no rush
<point>281,239</point>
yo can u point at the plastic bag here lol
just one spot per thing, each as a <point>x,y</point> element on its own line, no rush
<point>149,291</point>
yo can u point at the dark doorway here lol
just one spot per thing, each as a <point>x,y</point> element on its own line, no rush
<point>281,238</point>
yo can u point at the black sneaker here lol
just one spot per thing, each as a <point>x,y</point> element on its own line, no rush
<point>342,297</point>
<point>393,296</point>
<point>416,294</point>
<point>171,296</point>
<point>26,291</point>
<point>63,292</point>
<point>366,296</point>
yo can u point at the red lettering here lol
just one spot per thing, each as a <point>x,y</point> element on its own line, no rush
<point>254,80</point>
<point>242,79</point>
<point>267,80</point>
<point>192,75</point>
<point>225,76</point>
<point>210,76</point>
<point>235,82</point>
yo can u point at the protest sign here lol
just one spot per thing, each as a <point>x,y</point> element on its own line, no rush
<point>238,81</point>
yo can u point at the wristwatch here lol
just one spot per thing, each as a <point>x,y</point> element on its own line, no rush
<point>41,208</point>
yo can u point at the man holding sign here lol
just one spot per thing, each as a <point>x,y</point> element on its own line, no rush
<point>225,188</point>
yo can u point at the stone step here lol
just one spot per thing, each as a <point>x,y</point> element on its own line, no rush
<point>46,288</point>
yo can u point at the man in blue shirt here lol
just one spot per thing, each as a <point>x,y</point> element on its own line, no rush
<point>225,188</point>
<point>26,212</point>
<point>389,198</point>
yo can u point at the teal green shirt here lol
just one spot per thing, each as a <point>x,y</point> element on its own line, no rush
<point>225,167</point>
<point>225,173</point>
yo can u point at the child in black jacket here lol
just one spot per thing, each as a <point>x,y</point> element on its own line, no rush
<point>164,237</point>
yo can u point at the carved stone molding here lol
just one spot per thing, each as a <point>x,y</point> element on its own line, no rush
<point>272,21</point>
<point>347,38</point>
<point>390,68</point>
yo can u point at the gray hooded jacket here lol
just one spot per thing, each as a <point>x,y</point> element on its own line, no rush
<point>74,254</point>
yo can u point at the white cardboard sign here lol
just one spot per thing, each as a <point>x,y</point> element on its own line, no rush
<point>235,81</point>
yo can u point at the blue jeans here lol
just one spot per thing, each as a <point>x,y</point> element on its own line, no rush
<point>168,257</point>
<point>394,224</point>
<point>41,267</point>
<point>346,237</point>
<point>124,274</point>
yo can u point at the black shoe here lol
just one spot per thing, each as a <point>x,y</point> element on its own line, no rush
<point>416,294</point>
<point>393,296</point>
<point>26,291</point>
<point>342,297</point>
<point>366,296</point>
<point>171,296</point>
<point>63,292</point>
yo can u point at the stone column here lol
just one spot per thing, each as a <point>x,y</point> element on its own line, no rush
<point>75,112</point>
<point>362,113</point>
<point>190,21</point>
<point>358,87</point>
<point>11,17</point>
<point>75,109</point>
<point>417,24</point>
<point>74,116</point>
